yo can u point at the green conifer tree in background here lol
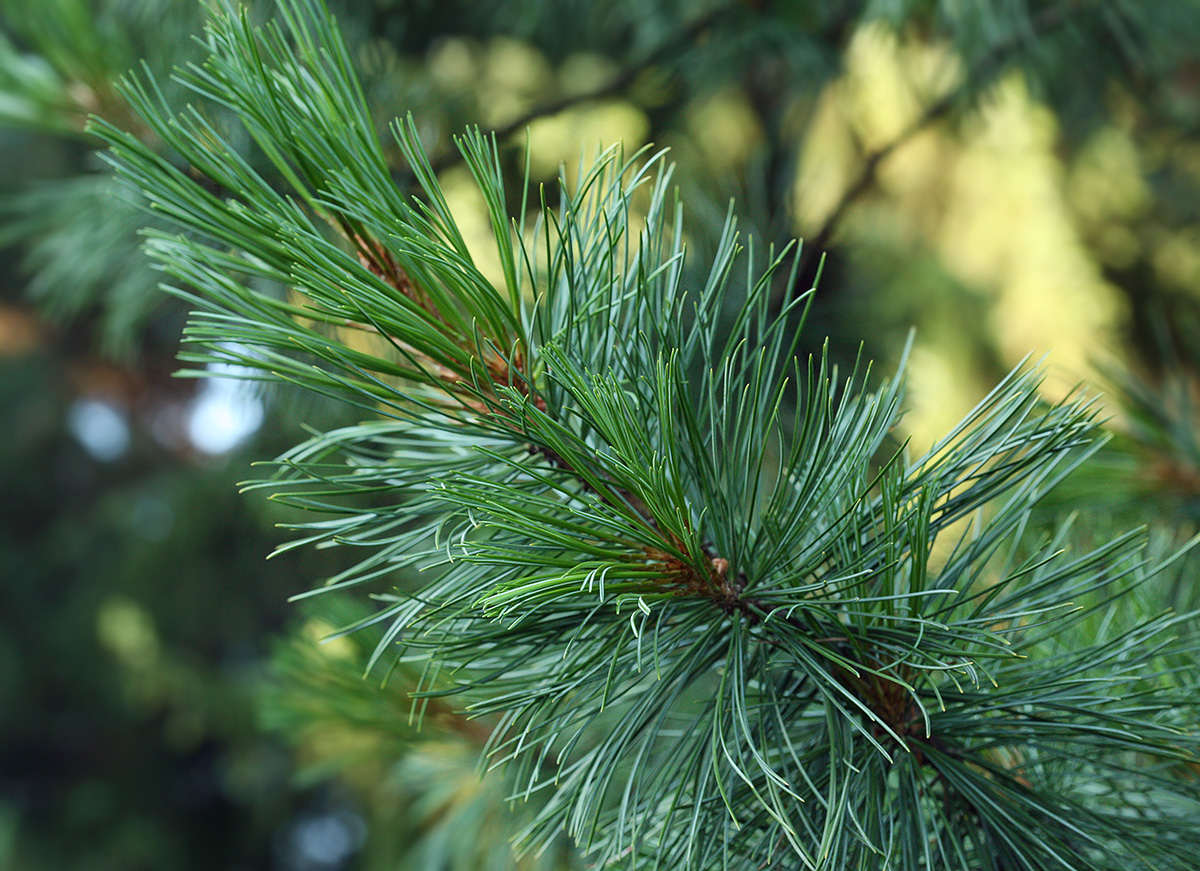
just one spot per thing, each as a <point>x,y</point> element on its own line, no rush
<point>706,614</point>
<point>683,595</point>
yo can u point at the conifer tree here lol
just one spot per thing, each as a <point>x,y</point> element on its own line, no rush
<point>707,613</point>
<point>679,587</point>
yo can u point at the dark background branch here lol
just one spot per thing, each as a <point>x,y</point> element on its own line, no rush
<point>989,65</point>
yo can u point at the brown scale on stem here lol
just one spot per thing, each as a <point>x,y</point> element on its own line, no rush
<point>383,265</point>
<point>891,702</point>
<point>711,582</point>
<point>725,591</point>
<point>894,705</point>
<point>509,372</point>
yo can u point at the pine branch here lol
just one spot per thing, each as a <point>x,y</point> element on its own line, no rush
<point>710,619</point>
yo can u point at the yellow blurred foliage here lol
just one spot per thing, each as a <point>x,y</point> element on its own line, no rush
<point>126,630</point>
<point>470,214</point>
<point>513,76</point>
<point>453,64</point>
<point>559,140</point>
<point>321,634</point>
<point>725,128</point>
<point>991,201</point>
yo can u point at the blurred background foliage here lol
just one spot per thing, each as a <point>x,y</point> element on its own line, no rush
<point>1009,177</point>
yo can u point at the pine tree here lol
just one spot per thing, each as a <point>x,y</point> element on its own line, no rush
<point>704,609</point>
<point>682,592</point>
